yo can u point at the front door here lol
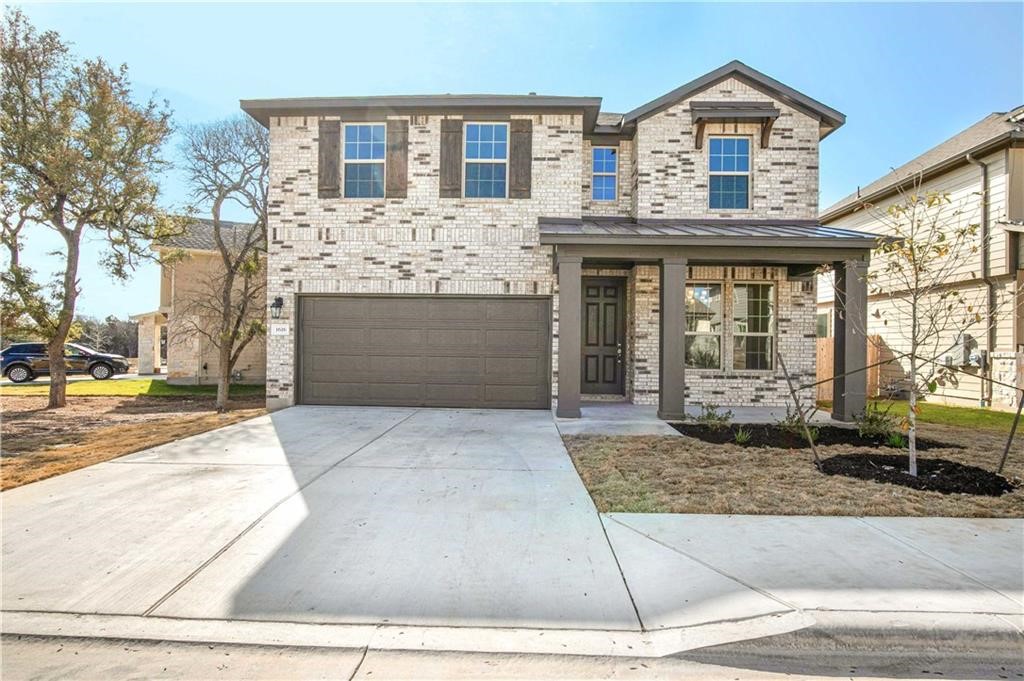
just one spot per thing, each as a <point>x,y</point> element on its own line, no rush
<point>604,331</point>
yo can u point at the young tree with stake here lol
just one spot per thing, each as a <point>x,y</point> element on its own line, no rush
<point>79,157</point>
<point>931,243</point>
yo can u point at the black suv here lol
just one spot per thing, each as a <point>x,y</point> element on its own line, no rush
<point>22,362</point>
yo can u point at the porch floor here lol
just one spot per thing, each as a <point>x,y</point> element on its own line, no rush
<point>625,418</point>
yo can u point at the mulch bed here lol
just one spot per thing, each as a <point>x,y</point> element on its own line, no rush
<point>774,436</point>
<point>935,475</point>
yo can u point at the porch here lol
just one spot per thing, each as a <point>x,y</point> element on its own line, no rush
<point>757,278</point>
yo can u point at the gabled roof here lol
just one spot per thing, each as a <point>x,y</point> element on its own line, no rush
<point>594,120</point>
<point>990,133</point>
<point>830,118</point>
<point>199,235</point>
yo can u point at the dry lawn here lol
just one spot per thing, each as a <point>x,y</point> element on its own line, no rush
<point>653,474</point>
<point>36,443</point>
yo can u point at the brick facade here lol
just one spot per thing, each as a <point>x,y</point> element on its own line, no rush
<point>420,244</point>
<point>423,244</point>
<point>672,175</point>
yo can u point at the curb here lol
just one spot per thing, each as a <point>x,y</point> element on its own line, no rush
<point>791,633</point>
<point>893,633</point>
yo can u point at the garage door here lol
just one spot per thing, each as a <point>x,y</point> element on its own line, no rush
<point>447,351</point>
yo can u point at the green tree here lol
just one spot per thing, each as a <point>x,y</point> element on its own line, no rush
<point>79,158</point>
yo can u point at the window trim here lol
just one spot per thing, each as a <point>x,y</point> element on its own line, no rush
<point>594,173</point>
<point>749,174</point>
<point>466,161</point>
<point>365,161</point>
<point>721,284</point>
<point>773,333</point>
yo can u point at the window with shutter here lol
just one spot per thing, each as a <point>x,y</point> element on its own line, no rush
<point>328,159</point>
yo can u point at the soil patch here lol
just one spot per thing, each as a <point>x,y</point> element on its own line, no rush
<point>37,443</point>
<point>782,438</point>
<point>686,475</point>
<point>934,475</point>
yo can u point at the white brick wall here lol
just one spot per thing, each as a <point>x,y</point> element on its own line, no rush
<point>673,176</point>
<point>420,244</point>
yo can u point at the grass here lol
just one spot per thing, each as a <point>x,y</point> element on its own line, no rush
<point>71,448</point>
<point>961,417</point>
<point>130,388</point>
<point>686,475</point>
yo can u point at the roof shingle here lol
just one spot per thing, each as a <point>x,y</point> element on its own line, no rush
<point>987,130</point>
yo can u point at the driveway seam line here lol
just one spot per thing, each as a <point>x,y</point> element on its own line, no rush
<point>362,658</point>
<point>192,575</point>
<point>739,581</point>
<point>915,547</point>
<point>622,575</point>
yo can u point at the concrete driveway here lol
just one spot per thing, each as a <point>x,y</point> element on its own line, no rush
<point>323,514</point>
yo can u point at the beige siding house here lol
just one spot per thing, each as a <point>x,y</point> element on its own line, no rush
<point>982,170</point>
<point>165,342</point>
<point>508,251</point>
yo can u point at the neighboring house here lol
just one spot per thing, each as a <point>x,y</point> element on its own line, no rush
<point>164,338</point>
<point>982,169</point>
<point>498,250</point>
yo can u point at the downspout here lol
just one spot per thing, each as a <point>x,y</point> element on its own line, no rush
<point>986,385</point>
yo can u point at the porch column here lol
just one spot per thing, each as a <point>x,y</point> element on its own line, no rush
<point>671,339</point>
<point>569,334</point>
<point>850,346</point>
<point>147,330</point>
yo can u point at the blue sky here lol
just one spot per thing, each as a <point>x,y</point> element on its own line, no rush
<point>907,76</point>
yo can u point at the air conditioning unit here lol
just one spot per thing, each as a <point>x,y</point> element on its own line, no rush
<point>965,353</point>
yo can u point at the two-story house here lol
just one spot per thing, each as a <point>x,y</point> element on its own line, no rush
<point>981,170</point>
<point>498,251</point>
<point>190,265</point>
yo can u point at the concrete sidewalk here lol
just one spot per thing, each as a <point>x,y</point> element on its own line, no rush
<point>689,569</point>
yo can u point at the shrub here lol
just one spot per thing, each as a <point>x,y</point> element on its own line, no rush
<point>875,422</point>
<point>896,440</point>
<point>712,418</point>
<point>793,425</point>
<point>742,436</point>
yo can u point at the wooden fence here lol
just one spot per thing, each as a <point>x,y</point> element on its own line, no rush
<point>825,366</point>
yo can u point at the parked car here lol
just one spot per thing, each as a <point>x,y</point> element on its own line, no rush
<point>22,362</point>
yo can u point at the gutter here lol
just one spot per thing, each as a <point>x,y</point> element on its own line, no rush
<point>986,384</point>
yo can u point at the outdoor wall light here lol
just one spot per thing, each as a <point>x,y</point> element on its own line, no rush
<point>276,307</point>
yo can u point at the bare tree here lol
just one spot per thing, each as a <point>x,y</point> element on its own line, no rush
<point>79,158</point>
<point>931,246</point>
<point>227,164</point>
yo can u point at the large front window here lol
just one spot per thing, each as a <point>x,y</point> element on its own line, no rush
<point>704,326</point>
<point>605,169</point>
<point>486,160</point>
<point>753,317</point>
<point>364,161</point>
<point>729,173</point>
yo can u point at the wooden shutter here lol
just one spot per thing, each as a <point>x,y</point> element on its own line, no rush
<point>520,158</point>
<point>329,160</point>
<point>451,159</point>
<point>397,181</point>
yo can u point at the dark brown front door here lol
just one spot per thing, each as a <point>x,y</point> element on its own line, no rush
<point>604,330</point>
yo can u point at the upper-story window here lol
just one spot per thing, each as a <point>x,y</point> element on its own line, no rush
<point>486,163</point>
<point>728,173</point>
<point>605,170</point>
<point>364,160</point>
<point>753,318</point>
